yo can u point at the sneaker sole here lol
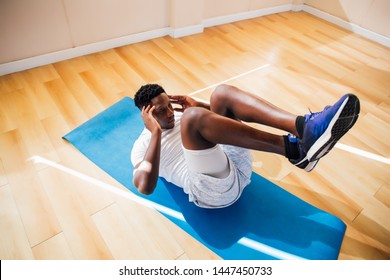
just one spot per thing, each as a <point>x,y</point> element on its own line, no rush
<point>309,165</point>
<point>331,144</point>
<point>343,120</point>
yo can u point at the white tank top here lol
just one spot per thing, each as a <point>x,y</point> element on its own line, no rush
<point>173,166</point>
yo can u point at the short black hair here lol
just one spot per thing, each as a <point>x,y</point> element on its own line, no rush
<point>146,93</point>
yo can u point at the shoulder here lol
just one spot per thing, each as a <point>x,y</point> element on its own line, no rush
<point>143,138</point>
<point>139,147</point>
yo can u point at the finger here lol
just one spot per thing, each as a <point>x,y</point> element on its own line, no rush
<point>176,98</point>
<point>151,110</point>
<point>145,111</point>
<point>178,102</point>
<point>174,101</point>
<point>179,109</point>
<point>148,108</point>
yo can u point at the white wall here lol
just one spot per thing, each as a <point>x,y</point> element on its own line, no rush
<point>373,15</point>
<point>97,20</point>
<point>216,8</point>
<point>34,27</point>
<point>30,28</point>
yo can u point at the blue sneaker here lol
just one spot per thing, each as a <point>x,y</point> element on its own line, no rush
<point>323,129</point>
<point>301,162</point>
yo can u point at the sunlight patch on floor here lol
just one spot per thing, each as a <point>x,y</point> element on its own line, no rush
<point>126,194</point>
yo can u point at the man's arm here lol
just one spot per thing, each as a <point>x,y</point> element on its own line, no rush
<point>186,102</point>
<point>146,172</point>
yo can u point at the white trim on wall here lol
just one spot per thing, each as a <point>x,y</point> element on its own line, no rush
<point>24,64</point>
<point>28,63</point>
<point>185,31</point>
<point>246,15</point>
<point>348,25</point>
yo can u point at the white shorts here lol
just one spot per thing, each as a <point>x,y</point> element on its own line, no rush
<point>217,176</point>
<point>212,162</point>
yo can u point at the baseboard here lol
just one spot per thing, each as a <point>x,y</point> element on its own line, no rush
<point>297,8</point>
<point>32,62</point>
<point>28,63</point>
<point>245,15</point>
<point>185,31</point>
<point>348,26</point>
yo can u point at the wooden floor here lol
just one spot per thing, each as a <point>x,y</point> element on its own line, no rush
<point>48,210</point>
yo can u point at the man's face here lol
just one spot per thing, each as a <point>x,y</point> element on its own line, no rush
<point>163,112</point>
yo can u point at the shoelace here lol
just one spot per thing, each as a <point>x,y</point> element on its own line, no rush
<point>312,115</point>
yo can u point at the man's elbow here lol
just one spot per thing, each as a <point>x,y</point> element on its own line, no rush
<point>143,188</point>
<point>145,191</point>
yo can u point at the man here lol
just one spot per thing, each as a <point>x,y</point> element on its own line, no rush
<point>205,148</point>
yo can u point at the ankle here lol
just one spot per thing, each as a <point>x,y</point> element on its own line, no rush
<point>299,125</point>
<point>291,148</point>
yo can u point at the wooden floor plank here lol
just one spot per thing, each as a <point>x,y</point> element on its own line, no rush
<point>66,104</point>
<point>28,124</point>
<point>123,242</point>
<point>55,248</point>
<point>14,241</point>
<point>79,230</point>
<point>157,243</point>
<point>80,170</point>
<point>33,204</point>
<point>79,89</point>
<point>383,194</point>
<point>3,176</point>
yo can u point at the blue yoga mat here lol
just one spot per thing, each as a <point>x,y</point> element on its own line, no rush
<point>267,222</point>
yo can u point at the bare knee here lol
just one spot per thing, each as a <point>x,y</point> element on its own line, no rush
<point>193,115</point>
<point>222,99</point>
<point>193,123</point>
<point>222,92</point>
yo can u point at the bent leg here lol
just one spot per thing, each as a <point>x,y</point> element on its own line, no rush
<point>203,129</point>
<point>237,104</point>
